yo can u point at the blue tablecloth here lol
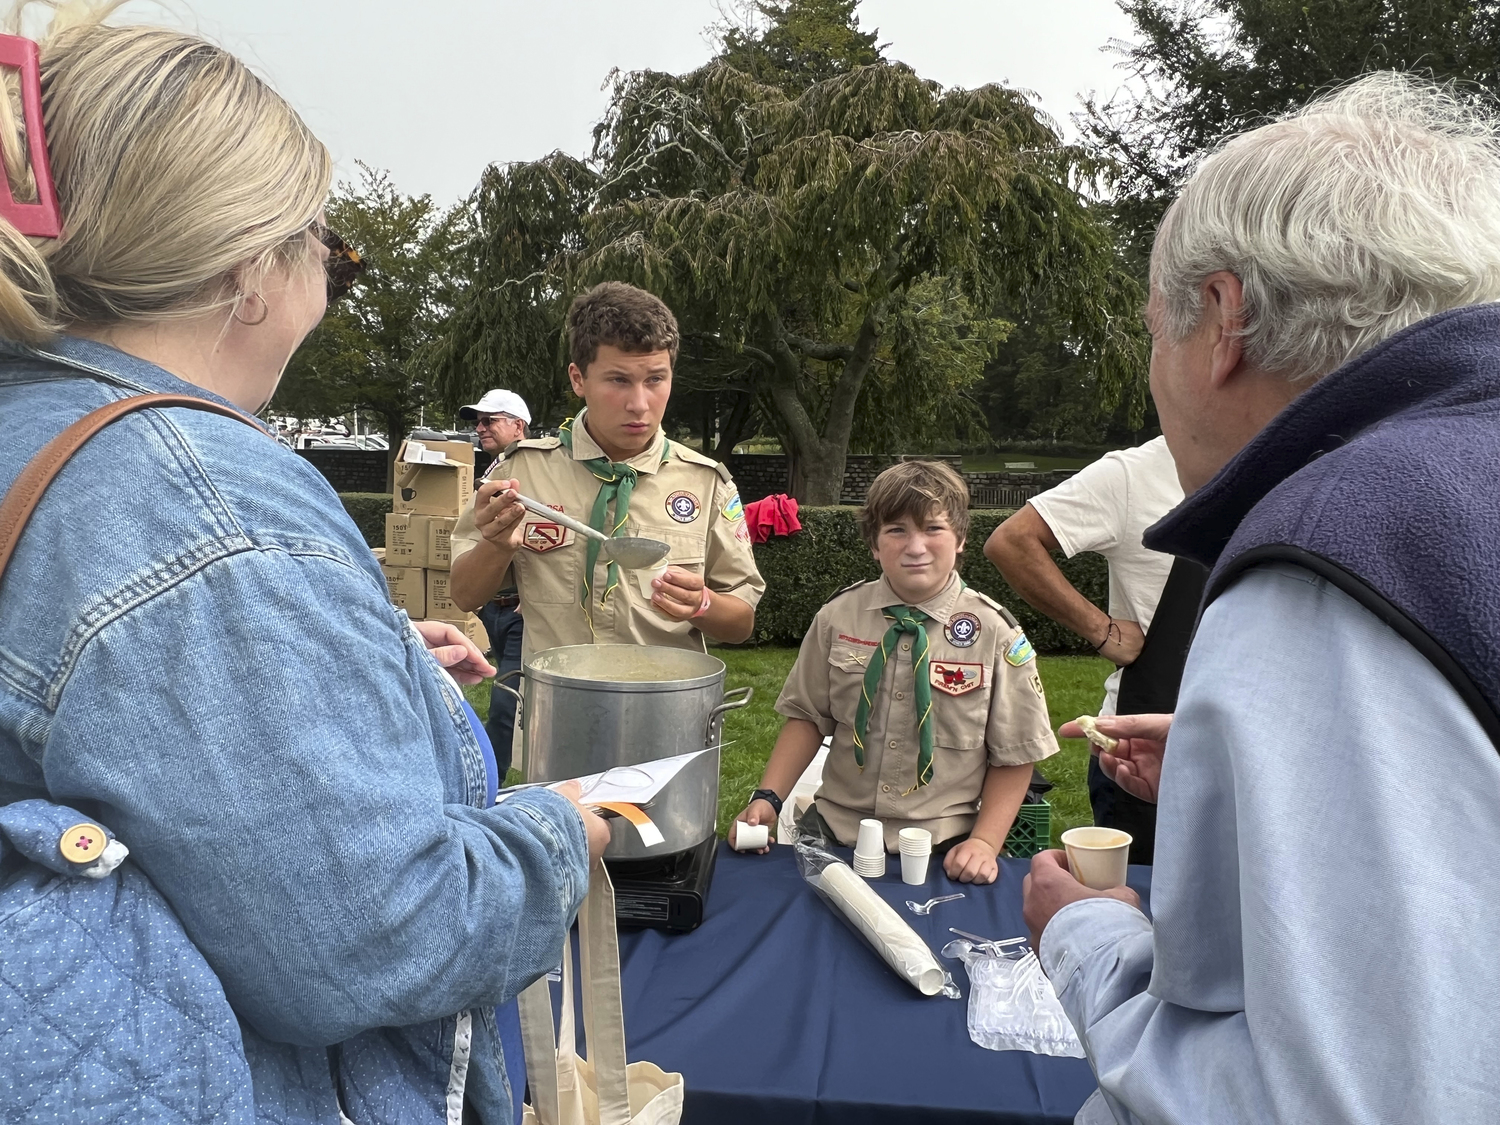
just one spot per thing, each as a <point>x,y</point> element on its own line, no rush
<point>775,1011</point>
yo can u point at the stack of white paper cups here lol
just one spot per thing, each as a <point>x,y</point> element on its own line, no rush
<point>869,849</point>
<point>916,850</point>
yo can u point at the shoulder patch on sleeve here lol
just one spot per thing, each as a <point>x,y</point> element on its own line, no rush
<point>1005,614</point>
<point>1019,651</point>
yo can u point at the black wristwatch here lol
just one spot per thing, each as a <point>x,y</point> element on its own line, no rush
<point>769,796</point>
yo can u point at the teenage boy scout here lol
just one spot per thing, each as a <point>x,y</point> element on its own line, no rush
<point>614,469</point>
<point>928,687</point>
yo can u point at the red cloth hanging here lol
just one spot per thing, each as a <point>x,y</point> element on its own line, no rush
<point>775,515</point>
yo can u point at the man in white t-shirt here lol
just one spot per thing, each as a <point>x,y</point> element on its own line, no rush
<point>1105,507</point>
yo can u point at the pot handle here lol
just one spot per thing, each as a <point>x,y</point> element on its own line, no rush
<point>727,705</point>
<point>500,683</point>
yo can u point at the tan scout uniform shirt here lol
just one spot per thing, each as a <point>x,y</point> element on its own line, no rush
<point>688,502</point>
<point>986,711</point>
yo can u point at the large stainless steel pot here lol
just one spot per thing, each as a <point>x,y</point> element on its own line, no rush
<point>587,708</point>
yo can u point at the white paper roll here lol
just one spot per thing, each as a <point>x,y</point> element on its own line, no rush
<point>750,837</point>
<point>883,928</point>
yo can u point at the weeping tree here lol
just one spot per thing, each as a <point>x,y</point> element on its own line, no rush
<point>371,350</point>
<point>1207,68</point>
<point>835,250</point>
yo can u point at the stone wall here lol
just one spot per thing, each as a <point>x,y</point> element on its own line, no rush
<point>349,470</point>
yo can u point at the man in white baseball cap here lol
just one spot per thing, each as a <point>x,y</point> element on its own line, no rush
<point>500,419</point>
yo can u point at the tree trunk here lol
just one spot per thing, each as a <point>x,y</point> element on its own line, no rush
<point>732,426</point>
<point>818,479</point>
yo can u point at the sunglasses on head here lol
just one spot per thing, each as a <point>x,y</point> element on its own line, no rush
<point>344,263</point>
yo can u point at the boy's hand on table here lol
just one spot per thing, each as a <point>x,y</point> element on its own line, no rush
<point>973,861</point>
<point>758,812</point>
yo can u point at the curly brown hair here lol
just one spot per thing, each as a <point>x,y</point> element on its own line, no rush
<point>916,489</point>
<point>613,312</point>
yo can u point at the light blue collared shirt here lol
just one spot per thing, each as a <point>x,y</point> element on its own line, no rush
<point>1326,897</point>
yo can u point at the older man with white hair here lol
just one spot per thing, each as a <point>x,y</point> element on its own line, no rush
<point>1326,364</point>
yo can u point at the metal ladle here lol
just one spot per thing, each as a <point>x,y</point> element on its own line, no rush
<point>629,551</point>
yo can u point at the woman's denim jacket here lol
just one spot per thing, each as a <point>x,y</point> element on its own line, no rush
<point>198,653</point>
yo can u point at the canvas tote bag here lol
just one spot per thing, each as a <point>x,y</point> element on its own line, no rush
<point>601,1089</point>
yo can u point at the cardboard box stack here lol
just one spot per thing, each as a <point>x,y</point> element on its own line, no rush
<point>434,480</point>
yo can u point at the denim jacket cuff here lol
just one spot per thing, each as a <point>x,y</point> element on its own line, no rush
<point>561,828</point>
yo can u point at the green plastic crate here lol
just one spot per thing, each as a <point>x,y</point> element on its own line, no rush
<point>1032,831</point>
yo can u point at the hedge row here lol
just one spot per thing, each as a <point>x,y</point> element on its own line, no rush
<point>803,571</point>
<point>368,511</point>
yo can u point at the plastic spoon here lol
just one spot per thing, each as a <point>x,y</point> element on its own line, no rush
<point>926,907</point>
<point>629,551</point>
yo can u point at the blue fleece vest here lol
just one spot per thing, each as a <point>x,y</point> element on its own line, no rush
<point>1383,478</point>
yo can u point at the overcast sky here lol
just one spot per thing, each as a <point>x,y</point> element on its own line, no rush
<point>435,90</point>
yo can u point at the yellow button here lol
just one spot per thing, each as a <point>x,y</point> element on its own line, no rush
<point>905,646</point>
<point>83,843</point>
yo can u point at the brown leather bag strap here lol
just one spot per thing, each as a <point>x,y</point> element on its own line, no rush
<point>26,492</point>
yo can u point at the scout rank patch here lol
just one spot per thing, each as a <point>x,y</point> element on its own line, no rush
<point>1019,652</point>
<point>962,630</point>
<point>955,679</point>
<point>682,507</point>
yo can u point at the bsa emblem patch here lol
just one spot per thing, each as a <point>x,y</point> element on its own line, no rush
<point>1019,652</point>
<point>682,507</point>
<point>734,510</point>
<point>544,536</point>
<point>962,630</point>
<point>955,679</point>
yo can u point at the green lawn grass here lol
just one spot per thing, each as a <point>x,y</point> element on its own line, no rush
<point>1075,685</point>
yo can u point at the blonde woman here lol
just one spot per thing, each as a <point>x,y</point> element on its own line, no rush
<point>320,908</point>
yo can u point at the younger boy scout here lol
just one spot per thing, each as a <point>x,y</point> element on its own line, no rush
<point>929,689</point>
<point>615,470</point>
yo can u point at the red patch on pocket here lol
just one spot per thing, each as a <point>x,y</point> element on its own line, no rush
<point>545,536</point>
<point>955,679</point>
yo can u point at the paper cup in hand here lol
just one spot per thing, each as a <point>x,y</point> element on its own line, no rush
<point>1098,856</point>
<point>750,837</point>
<point>646,577</point>
<point>871,838</point>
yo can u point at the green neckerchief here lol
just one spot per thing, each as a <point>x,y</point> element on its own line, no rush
<point>904,619</point>
<point>618,483</point>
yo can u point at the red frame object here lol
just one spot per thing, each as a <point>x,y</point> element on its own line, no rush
<point>42,219</point>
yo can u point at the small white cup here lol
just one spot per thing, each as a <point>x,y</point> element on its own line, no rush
<point>871,838</point>
<point>751,837</point>
<point>914,868</point>
<point>1098,856</point>
<point>646,577</point>
<point>915,841</point>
